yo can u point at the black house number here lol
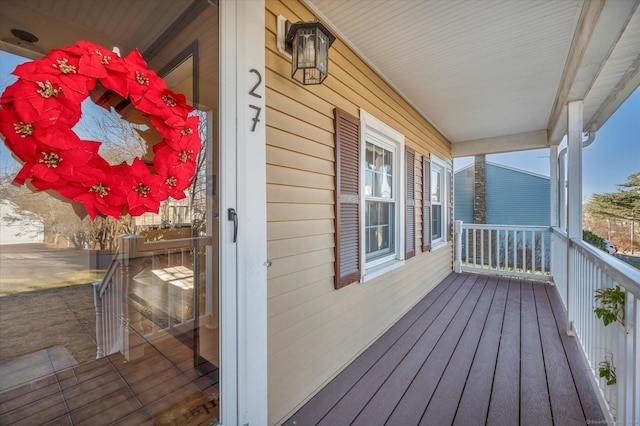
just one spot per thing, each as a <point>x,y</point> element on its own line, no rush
<point>252,92</point>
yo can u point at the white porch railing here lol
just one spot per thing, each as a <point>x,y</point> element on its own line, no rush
<point>588,270</point>
<point>149,288</point>
<point>519,251</point>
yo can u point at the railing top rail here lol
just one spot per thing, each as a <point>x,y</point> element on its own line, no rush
<point>109,274</point>
<point>559,232</point>
<point>622,273</point>
<point>150,246</point>
<point>505,227</point>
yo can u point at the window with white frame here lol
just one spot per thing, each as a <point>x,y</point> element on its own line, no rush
<point>439,201</point>
<point>382,175</point>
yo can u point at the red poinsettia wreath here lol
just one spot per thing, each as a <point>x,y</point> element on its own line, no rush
<point>38,112</point>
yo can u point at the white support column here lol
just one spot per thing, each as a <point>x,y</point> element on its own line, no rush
<point>458,246</point>
<point>562,189</point>
<point>574,199</point>
<point>554,186</point>
<point>574,178</point>
<point>554,208</point>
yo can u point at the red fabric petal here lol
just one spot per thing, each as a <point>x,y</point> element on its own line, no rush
<point>140,79</point>
<point>23,174</point>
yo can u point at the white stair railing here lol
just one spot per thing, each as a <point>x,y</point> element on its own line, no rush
<point>148,289</point>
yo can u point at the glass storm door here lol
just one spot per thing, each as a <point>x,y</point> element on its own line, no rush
<point>132,300</point>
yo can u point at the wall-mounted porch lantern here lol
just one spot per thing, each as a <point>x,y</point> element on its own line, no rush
<point>309,43</point>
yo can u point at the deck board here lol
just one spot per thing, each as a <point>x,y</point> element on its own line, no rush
<point>565,402</point>
<point>322,402</point>
<point>425,381</point>
<point>440,410</point>
<point>357,397</point>
<point>589,400</point>
<point>534,408</point>
<point>384,402</point>
<point>474,402</point>
<point>476,350</point>
<point>504,408</point>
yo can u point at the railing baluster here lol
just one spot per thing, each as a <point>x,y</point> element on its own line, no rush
<point>524,251</point>
<point>515,250</point>
<point>543,266</point>
<point>490,248</point>
<point>498,252</point>
<point>474,263</point>
<point>481,248</point>
<point>506,250</point>
<point>533,251</point>
<point>466,247</point>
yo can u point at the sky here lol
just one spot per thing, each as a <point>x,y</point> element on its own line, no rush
<point>609,161</point>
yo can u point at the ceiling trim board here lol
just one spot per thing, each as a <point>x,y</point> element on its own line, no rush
<point>509,143</point>
<point>626,87</point>
<point>587,22</point>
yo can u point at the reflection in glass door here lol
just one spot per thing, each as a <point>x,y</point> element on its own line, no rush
<point>143,290</point>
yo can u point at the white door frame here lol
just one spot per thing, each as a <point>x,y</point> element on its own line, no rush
<point>243,278</point>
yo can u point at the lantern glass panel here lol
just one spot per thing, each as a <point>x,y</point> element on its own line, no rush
<point>310,56</point>
<point>322,53</point>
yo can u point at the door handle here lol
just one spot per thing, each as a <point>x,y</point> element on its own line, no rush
<point>233,216</point>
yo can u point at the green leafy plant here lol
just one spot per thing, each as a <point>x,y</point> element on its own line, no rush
<point>608,370</point>
<point>611,305</point>
<point>594,240</point>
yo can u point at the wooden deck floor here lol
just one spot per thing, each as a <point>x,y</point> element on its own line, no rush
<point>476,350</point>
<point>160,387</point>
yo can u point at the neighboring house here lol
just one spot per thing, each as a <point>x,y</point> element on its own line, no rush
<point>16,227</point>
<point>509,196</point>
<point>330,207</point>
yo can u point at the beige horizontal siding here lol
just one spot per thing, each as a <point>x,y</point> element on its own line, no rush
<point>285,248</point>
<point>279,212</point>
<point>287,141</point>
<point>296,160</point>
<point>292,281</point>
<point>293,229</point>
<point>299,262</point>
<point>315,330</point>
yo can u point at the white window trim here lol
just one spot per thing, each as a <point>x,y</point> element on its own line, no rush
<point>444,166</point>
<point>379,132</point>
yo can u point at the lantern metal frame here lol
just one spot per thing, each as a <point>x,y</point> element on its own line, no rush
<point>313,67</point>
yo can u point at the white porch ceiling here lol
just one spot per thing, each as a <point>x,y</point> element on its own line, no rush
<point>492,75</point>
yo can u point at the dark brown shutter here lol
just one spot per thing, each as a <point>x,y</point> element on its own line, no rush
<point>347,139</point>
<point>450,198</point>
<point>410,207</point>
<point>426,203</point>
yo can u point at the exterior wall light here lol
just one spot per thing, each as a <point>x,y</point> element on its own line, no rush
<point>309,43</point>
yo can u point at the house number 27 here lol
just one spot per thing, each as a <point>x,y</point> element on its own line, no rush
<point>252,92</point>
